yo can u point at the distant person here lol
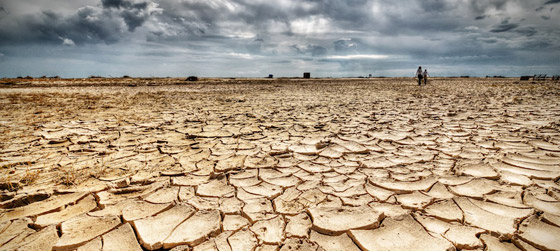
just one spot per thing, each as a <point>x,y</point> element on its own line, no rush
<point>419,75</point>
<point>425,76</point>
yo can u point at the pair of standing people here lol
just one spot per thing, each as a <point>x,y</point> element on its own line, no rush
<point>422,75</point>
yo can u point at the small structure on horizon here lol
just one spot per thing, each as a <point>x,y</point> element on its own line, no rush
<point>270,76</point>
<point>192,78</point>
<point>539,77</point>
<point>307,75</point>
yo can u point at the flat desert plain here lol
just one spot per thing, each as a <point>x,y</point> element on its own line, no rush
<point>282,164</point>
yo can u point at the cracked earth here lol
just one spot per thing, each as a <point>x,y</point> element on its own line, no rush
<point>150,164</point>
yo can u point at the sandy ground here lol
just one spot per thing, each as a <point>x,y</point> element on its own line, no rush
<point>370,164</point>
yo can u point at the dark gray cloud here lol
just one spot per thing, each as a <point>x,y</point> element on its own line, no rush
<point>552,2</point>
<point>123,4</point>
<point>254,38</point>
<point>481,7</point>
<point>527,31</point>
<point>88,24</point>
<point>504,27</point>
<point>133,14</point>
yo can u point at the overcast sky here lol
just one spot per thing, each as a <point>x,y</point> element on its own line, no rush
<point>254,38</point>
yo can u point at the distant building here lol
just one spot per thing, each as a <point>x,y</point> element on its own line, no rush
<point>270,76</point>
<point>307,75</point>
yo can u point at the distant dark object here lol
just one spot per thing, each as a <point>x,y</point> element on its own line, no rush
<point>43,76</point>
<point>55,77</point>
<point>93,76</point>
<point>465,76</point>
<point>555,77</point>
<point>27,77</point>
<point>307,75</point>
<point>369,76</point>
<point>539,77</point>
<point>192,78</point>
<point>270,76</point>
<point>125,76</point>
<point>525,78</point>
<point>499,77</point>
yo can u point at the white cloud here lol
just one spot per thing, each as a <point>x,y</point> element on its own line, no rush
<point>67,41</point>
<point>313,24</point>
<point>241,55</point>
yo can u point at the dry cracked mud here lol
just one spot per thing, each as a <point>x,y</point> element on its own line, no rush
<point>323,164</point>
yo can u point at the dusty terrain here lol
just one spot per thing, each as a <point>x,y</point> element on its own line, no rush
<point>370,164</point>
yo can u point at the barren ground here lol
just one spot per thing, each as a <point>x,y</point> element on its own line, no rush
<point>371,164</point>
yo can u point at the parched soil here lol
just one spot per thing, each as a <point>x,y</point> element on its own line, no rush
<point>289,164</point>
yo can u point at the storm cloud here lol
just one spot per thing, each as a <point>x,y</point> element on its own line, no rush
<point>284,37</point>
